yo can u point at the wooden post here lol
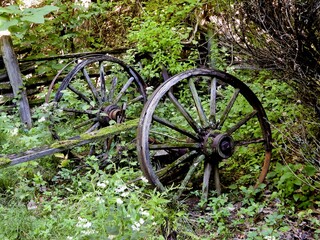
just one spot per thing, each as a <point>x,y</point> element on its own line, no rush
<point>210,57</point>
<point>14,74</point>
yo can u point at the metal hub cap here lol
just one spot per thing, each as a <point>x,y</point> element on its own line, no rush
<point>111,112</point>
<point>218,145</point>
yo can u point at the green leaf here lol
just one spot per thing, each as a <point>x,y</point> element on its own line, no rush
<point>296,197</point>
<point>5,25</point>
<point>297,182</point>
<point>33,18</point>
<point>36,15</point>
<point>46,9</point>
<point>310,170</point>
<point>12,9</point>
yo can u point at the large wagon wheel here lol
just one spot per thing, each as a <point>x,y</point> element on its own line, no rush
<point>99,91</point>
<point>197,120</point>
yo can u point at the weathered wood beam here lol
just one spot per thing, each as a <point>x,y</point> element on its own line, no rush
<point>12,67</point>
<point>60,146</point>
<point>75,55</point>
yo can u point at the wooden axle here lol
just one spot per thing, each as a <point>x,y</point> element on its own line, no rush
<point>60,146</point>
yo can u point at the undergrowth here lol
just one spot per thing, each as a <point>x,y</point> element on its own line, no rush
<point>57,199</point>
<point>62,197</point>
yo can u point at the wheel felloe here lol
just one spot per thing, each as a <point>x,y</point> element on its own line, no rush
<point>192,113</point>
<point>98,90</point>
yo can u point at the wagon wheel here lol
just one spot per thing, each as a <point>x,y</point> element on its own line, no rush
<point>97,92</point>
<point>196,122</point>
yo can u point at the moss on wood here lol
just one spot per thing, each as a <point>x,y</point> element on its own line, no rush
<point>4,161</point>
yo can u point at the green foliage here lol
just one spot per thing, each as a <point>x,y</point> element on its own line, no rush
<point>62,198</point>
<point>228,217</point>
<point>77,28</point>
<point>161,33</point>
<point>291,184</point>
<point>93,205</point>
<point>18,20</point>
<point>15,139</point>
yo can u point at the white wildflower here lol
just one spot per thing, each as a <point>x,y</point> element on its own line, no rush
<point>133,186</point>
<point>28,76</point>
<point>149,90</point>
<point>83,223</point>
<point>112,237</point>
<point>144,179</point>
<point>144,212</point>
<point>141,221</point>
<point>30,3</point>
<point>121,188</point>
<point>101,185</point>
<point>100,200</point>
<point>88,232</point>
<point>14,132</point>
<point>136,226</point>
<point>87,225</point>
<point>42,119</point>
<point>119,201</point>
<point>69,238</point>
<point>125,194</point>
<point>270,237</point>
<point>83,3</point>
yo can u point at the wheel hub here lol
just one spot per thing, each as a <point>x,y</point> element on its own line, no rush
<point>111,112</point>
<point>218,145</point>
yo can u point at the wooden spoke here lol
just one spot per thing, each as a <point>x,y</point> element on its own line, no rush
<point>136,99</point>
<point>174,127</point>
<point>92,150</point>
<point>216,178</point>
<point>187,178</point>
<point>81,95</point>
<point>229,106</point>
<point>112,89</point>
<point>91,86</point>
<point>79,111</point>
<point>197,102</point>
<point>102,82</point>
<point>123,90</point>
<point>248,142</point>
<point>167,136</point>
<point>185,114</point>
<point>168,168</point>
<point>94,127</point>
<point>213,101</point>
<point>242,122</point>
<point>206,179</point>
<point>177,145</point>
<point>89,121</point>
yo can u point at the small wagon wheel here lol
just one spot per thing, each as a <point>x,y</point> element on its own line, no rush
<point>200,116</point>
<point>98,91</point>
